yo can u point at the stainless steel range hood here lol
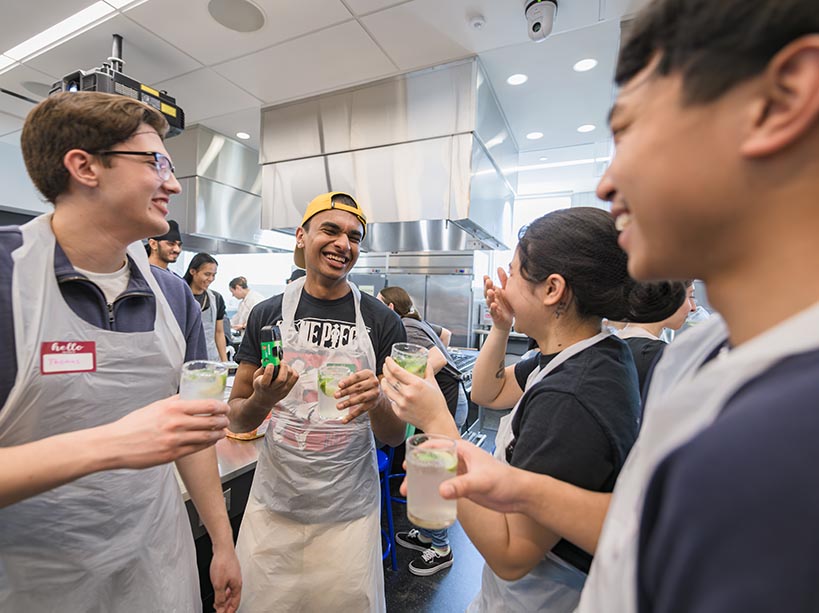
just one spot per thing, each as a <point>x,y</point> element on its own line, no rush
<point>219,209</point>
<point>422,153</point>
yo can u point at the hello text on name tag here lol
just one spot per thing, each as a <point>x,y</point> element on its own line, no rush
<point>62,357</point>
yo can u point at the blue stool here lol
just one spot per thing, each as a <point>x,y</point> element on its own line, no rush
<point>384,463</point>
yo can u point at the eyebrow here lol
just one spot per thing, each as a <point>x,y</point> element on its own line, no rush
<point>329,225</point>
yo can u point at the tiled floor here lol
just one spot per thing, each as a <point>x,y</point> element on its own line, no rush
<point>448,591</point>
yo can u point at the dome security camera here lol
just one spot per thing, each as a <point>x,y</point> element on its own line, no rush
<point>540,17</point>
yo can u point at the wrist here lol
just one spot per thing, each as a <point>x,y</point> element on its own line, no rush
<point>502,329</point>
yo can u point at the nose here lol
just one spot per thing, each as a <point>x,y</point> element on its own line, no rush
<point>171,185</point>
<point>605,188</point>
<point>343,241</point>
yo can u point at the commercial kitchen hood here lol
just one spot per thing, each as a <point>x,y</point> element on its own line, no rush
<point>219,209</point>
<point>422,153</point>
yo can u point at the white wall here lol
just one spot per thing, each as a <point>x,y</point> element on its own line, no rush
<point>18,193</point>
<point>526,211</point>
<point>265,272</point>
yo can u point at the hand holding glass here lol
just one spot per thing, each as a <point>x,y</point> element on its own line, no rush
<point>410,357</point>
<point>431,460</point>
<point>328,379</point>
<point>202,379</point>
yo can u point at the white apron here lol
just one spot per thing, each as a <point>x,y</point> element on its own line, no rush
<point>209,327</point>
<point>552,585</point>
<point>683,399</point>
<point>311,534</point>
<point>113,541</point>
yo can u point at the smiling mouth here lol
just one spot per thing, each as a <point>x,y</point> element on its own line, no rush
<point>622,216</point>
<point>336,258</point>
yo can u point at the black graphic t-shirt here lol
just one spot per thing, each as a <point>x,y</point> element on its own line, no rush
<point>326,323</point>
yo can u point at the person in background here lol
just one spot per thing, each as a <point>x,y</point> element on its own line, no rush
<point>715,177</point>
<point>297,273</point>
<point>91,514</point>
<point>165,249</point>
<point>436,553</point>
<point>248,299</point>
<point>311,534</point>
<point>644,339</point>
<point>201,273</point>
<point>576,403</point>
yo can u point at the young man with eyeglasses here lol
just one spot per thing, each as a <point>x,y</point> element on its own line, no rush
<point>95,338</point>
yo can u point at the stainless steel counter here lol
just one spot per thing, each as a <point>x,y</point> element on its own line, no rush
<point>235,458</point>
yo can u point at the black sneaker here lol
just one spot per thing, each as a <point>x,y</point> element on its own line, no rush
<point>412,540</point>
<point>430,563</point>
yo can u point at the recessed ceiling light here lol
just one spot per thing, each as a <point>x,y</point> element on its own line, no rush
<point>534,135</point>
<point>242,135</point>
<point>587,127</point>
<point>543,159</point>
<point>517,79</point>
<point>584,65</point>
<point>238,15</point>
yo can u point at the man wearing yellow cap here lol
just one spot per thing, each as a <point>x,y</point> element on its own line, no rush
<point>310,537</point>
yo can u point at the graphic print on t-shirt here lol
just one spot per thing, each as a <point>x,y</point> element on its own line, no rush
<point>326,333</point>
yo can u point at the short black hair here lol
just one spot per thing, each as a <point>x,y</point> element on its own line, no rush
<point>714,44</point>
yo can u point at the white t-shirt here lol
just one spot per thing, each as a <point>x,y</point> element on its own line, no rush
<point>112,284</point>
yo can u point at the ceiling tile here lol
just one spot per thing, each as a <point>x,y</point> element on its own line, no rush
<point>556,99</point>
<point>340,56</point>
<point>13,81</point>
<point>204,93</point>
<point>247,120</point>
<point>12,138</point>
<point>362,7</point>
<point>22,20</point>
<point>9,123</point>
<point>148,58</point>
<point>285,19</point>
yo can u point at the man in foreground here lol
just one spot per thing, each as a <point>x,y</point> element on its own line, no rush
<point>93,333</point>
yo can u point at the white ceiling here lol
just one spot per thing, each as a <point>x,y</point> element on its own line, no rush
<point>222,78</point>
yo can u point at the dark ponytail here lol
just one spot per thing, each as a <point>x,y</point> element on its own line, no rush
<point>401,301</point>
<point>580,244</point>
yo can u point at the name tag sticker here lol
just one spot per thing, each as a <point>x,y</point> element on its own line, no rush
<point>62,357</point>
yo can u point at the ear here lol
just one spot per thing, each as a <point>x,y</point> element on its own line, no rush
<point>153,244</point>
<point>391,306</point>
<point>790,105</point>
<point>83,167</point>
<point>299,235</point>
<point>552,290</point>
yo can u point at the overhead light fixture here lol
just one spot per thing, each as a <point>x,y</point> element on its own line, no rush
<point>543,159</point>
<point>242,135</point>
<point>67,29</point>
<point>587,127</point>
<point>584,65</point>
<point>534,135</point>
<point>517,79</point>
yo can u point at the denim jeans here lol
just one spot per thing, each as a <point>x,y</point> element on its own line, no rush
<point>440,538</point>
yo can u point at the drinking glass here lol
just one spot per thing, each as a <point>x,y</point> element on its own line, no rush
<point>202,379</point>
<point>329,376</point>
<point>410,357</point>
<point>431,460</point>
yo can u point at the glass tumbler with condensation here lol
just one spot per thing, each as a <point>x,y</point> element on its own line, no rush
<point>431,460</point>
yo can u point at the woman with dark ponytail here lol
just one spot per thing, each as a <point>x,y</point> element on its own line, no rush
<point>576,404</point>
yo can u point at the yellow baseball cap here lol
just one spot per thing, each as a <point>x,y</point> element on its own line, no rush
<point>324,202</point>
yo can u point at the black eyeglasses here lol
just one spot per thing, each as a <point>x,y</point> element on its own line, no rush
<point>162,163</point>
